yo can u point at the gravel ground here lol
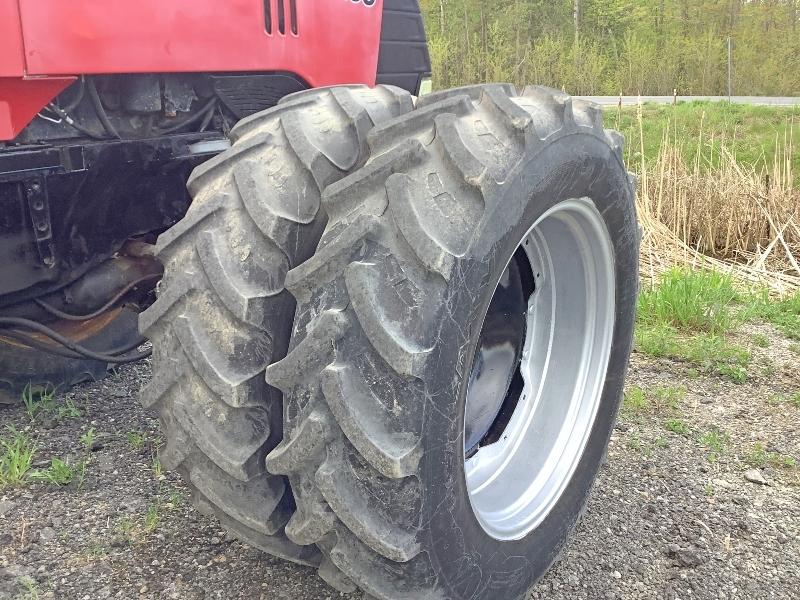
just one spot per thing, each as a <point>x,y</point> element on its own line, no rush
<point>672,516</point>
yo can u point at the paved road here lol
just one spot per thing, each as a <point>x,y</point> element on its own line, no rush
<point>634,100</point>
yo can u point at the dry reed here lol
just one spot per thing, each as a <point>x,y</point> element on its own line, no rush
<point>717,213</point>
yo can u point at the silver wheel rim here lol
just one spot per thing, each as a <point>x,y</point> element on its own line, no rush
<point>516,481</point>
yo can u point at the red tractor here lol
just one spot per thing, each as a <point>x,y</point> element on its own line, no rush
<point>389,329</point>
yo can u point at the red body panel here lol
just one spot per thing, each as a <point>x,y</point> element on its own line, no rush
<point>336,42</point>
<point>12,52</point>
<point>21,99</point>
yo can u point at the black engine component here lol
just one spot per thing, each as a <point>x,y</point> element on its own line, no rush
<point>141,94</point>
<point>69,207</point>
<point>122,279</point>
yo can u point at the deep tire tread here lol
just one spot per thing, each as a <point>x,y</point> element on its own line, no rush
<point>381,222</point>
<point>222,303</point>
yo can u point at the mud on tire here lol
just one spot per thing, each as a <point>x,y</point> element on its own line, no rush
<point>222,313</point>
<point>388,311</point>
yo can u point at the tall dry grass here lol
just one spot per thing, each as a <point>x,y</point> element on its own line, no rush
<point>716,212</point>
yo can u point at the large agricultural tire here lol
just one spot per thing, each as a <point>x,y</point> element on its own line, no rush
<point>22,366</point>
<point>476,189</point>
<point>222,314</point>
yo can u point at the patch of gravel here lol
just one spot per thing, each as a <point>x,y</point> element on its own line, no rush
<point>668,519</point>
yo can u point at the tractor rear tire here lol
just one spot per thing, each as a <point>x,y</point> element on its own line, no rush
<point>222,314</point>
<point>22,366</point>
<point>390,313</point>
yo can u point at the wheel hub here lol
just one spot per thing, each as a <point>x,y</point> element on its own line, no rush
<point>494,384</point>
<point>539,369</point>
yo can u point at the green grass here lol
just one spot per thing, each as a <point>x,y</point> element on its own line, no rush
<point>175,499</point>
<point>87,439</point>
<point>752,133</point>
<point>676,426</point>
<point>690,301</point>
<point>760,457</point>
<point>667,396</point>
<point>38,402</point>
<point>61,472</point>
<point>30,588</point>
<point>96,549</point>
<point>152,518</point>
<point>795,399</point>
<point>69,410</point>
<point>635,401</point>
<point>126,529</point>
<point>715,441</point>
<point>761,340</point>
<point>158,469</point>
<point>783,314</point>
<point>658,399</point>
<point>42,403</point>
<point>16,458</point>
<point>714,354</point>
<point>689,315</point>
<point>136,439</point>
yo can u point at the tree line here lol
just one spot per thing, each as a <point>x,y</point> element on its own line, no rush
<point>609,47</point>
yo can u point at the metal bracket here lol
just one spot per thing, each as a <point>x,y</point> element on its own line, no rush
<point>39,207</point>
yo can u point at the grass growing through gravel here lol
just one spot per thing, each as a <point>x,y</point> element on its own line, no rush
<point>783,314</point>
<point>61,473</point>
<point>715,441</point>
<point>16,461</point>
<point>38,402</point>
<point>676,426</point>
<point>136,439</point>
<point>759,457</point>
<point>31,589</point>
<point>655,400</point>
<point>16,458</point>
<point>761,340</point>
<point>87,439</point>
<point>42,403</point>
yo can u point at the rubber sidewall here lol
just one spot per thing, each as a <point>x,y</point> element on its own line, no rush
<point>469,562</point>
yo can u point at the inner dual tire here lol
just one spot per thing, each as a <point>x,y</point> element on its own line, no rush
<point>465,293</point>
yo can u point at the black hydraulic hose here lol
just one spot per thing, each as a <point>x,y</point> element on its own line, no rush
<point>72,123</point>
<point>34,343</point>
<point>207,119</point>
<point>115,355</point>
<point>201,114</point>
<point>68,343</point>
<point>69,317</point>
<point>81,90</point>
<point>101,112</point>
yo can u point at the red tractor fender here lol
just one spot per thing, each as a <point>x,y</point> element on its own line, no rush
<point>324,42</point>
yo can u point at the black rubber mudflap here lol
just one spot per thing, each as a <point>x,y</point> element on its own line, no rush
<point>22,366</point>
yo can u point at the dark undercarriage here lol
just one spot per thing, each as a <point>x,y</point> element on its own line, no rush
<point>90,183</point>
